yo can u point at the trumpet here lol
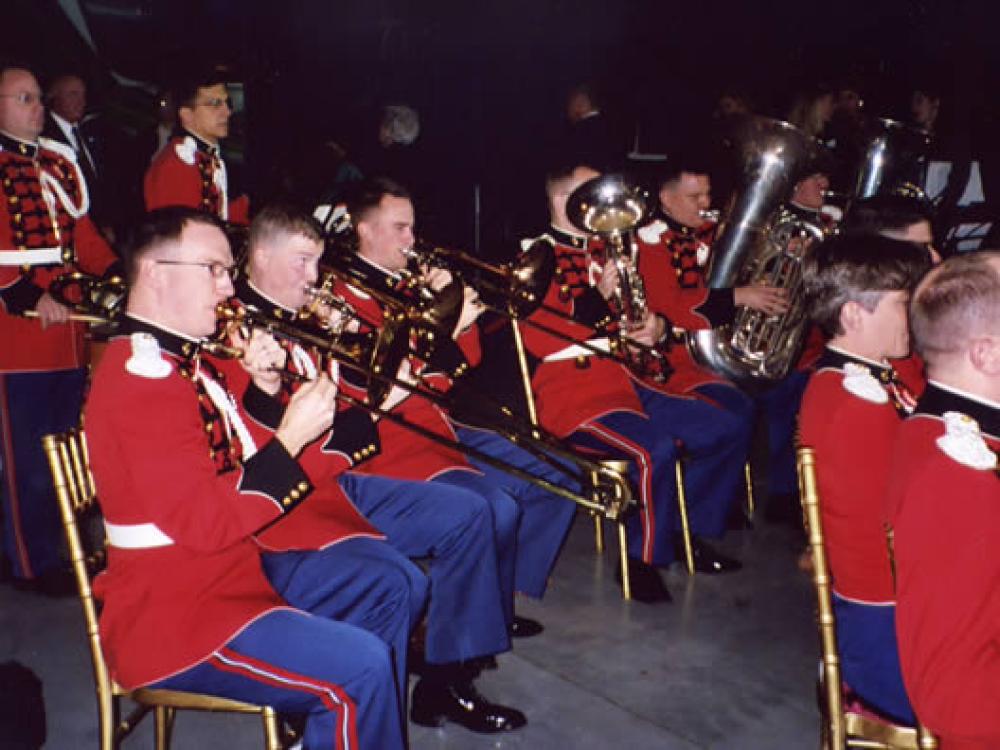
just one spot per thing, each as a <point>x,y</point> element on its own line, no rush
<point>605,488</point>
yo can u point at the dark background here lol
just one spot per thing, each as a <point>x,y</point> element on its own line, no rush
<point>489,78</point>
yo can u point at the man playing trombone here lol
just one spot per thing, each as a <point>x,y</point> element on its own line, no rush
<point>450,523</point>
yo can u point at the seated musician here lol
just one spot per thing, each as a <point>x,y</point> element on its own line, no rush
<point>944,501</point>
<point>591,398</point>
<point>186,478</point>
<point>452,525</point>
<point>857,290</point>
<point>900,218</point>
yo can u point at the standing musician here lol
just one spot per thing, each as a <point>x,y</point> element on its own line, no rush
<point>591,400</point>
<point>453,525</point>
<point>857,291</point>
<point>189,170</point>
<point>44,232</point>
<point>186,478</point>
<point>943,498</point>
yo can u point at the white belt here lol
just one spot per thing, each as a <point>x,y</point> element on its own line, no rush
<point>575,350</point>
<point>136,536</point>
<point>37,256</point>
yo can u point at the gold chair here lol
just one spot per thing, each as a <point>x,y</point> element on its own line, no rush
<point>76,494</point>
<point>682,511</point>
<point>842,727</point>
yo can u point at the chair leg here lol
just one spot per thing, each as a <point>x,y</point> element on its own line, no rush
<point>623,561</point>
<point>748,478</point>
<point>272,729</point>
<point>598,533</point>
<point>682,507</point>
<point>107,707</point>
<point>164,724</point>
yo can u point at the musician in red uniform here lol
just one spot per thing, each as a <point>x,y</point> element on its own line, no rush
<point>44,232</point>
<point>944,499</point>
<point>857,291</point>
<point>451,525</point>
<point>185,478</point>
<point>189,170</point>
<point>592,400</point>
<point>717,418</point>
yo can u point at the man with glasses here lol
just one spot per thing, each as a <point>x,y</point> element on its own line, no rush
<point>190,171</point>
<point>45,232</point>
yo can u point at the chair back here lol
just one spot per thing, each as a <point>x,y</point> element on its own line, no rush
<point>83,528</point>
<point>843,728</point>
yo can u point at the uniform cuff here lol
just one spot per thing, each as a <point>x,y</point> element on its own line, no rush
<point>21,296</point>
<point>262,407</point>
<point>354,435</point>
<point>591,309</point>
<point>718,307</point>
<point>272,472</point>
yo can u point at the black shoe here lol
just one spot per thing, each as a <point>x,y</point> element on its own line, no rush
<point>524,627</point>
<point>708,560</point>
<point>647,586</point>
<point>434,703</point>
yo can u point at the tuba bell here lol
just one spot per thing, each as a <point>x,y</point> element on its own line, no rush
<point>758,242</point>
<point>893,159</point>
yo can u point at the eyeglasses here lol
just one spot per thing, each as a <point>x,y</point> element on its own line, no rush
<point>218,271</point>
<point>216,103</point>
<point>24,98</point>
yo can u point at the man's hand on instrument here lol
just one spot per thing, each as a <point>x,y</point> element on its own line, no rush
<point>263,358</point>
<point>436,278</point>
<point>398,394</point>
<point>51,312</point>
<point>649,331</point>
<point>309,414</point>
<point>608,283</point>
<point>768,299</point>
<point>472,308</point>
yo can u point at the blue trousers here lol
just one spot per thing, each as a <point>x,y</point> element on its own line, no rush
<point>31,405</point>
<point>869,657</point>
<point>506,519</point>
<point>354,581</point>
<point>780,405</point>
<point>545,518</point>
<point>334,661</point>
<point>651,452</point>
<point>454,527</point>
<point>716,440</point>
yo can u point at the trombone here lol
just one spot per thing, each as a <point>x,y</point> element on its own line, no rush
<point>91,299</point>
<point>604,485</point>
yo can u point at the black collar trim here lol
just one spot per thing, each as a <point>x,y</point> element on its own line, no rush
<point>936,400</point>
<point>17,146</point>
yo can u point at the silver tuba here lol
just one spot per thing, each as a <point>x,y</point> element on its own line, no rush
<point>759,242</point>
<point>893,159</point>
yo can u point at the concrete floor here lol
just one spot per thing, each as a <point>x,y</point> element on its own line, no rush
<point>729,664</point>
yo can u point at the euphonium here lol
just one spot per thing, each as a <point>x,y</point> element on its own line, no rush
<point>760,244</point>
<point>611,208</point>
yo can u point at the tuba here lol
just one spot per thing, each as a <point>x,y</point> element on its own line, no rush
<point>893,159</point>
<point>759,242</point>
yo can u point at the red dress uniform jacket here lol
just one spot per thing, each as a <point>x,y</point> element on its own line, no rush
<point>850,419</point>
<point>182,492</point>
<point>404,454</point>
<point>673,260</point>
<point>329,516</point>
<point>190,172</point>
<point>44,233</point>
<point>570,385</point>
<point>945,500</point>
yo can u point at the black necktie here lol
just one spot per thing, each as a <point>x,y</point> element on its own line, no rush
<point>86,162</point>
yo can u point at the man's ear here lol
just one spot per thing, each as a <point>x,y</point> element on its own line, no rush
<point>850,316</point>
<point>185,115</point>
<point>984,353</point>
